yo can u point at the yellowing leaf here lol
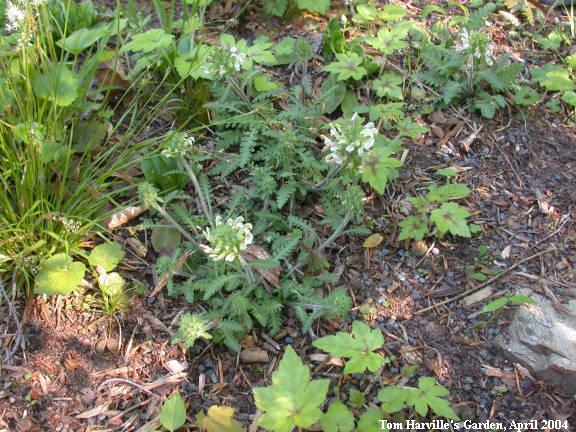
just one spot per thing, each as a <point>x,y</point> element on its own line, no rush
<point>218,419</point>
<point>373,241</point>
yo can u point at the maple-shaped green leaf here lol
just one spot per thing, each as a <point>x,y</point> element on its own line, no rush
<point>570,98</point>
<point>452,191</point>
<point>319,6</point>
<point>173,413</point>
<point>369,421</point>
<point>338,418</point>
<point>409,128</point>
<point>387,41</point>
<point>392,13</point>
<point>488,104</point>
<point>428,396</point>
<point>218,419</point>
<point>553,77</point>
<point>389,85</point>
<point>276,7</point>
<point>379,167</point>
<point>358,347</point>
<point>451,217</point>
<point>59,274</point>
<point>526,96</point>
<point>421,204</point>
<point>387,112</point>
<point>347,66</point>
<point>413,227</point>
<point>106,255</point>
<point>149,41</point>
<point>356,398</point>
<point>293,400</point>
<point>58,84</point>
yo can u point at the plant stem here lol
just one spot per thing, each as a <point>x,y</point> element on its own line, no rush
<point>173,222</point>
<point>205,204</point>
<point>337,232</point>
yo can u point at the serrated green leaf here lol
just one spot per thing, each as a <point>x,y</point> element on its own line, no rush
<point>553,77</point>
<point>319,6</point>
<point>413,227</point>
<point>347,66</point>
<point>293,400</point>
<point>59,275</point>
<point>106,255</point>
<point>448,192</point>
<point>392,13</point>
<point>389,85</point>
<point>408,128</point>
<point>488,104</point>
<point>387,112</point>
<point>387,41</point>
<point>357,348</point>
<point>338,418</point>
<point>525,96</point>
<point>451,217</point>
<point>173,413</point>
<point>380,168</point>
<point>369,421</point>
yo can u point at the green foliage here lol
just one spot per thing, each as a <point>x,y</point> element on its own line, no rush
<point>451,217</point>
<point>106,255</point>
<point>347,66</point>
<point>357,347</point>
<point>338,418</point>
<point>58,84</point>
<point>218,419</point>
<point>500,303</point>
<point>293,400</point>
<point>173,413</point>
<point>429,396</point>
<point>60,275</point>
<point>191,328</point>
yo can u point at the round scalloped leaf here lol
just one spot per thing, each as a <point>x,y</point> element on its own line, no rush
<point>106,255</point>
<point>59,275</point>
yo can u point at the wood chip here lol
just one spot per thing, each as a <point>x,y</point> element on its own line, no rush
<point>478,296</point>
<point>254,355</point>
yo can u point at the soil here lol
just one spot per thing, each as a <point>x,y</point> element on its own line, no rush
<point>523,176</point>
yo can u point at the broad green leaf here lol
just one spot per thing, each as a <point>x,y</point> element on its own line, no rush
<point>82,39</point>
<point>570,98</point>
<point>262,82</point>
<point>218,419</point>
<point>550,42</point>
<point>106,255</point>
<point>387,112</point>
<point>553,77</point>
<point>347,66</point>
<point>448,192</point>
<point>338,418</point>
<point>392,13</point>
<point>59,85</point>
<point>369,421</point>
<point>521,299</point>
<point>333,92</point>
<point>357,348</point>
<point>451,217</point>
<point>173,413</point>
<point>495,305</point>
<point>319,6</point>
<point>59,275</point>
<point>409,128</point>
<point>480,277</point>
<point>365,13</point>
<point>387,41</point>
<point>526,96</point>
<point>151,40</point>
<point>112,284</point>
<point>389,85</point>
<point>293,400</point>
<point>413,227</point>
<point>447,172</point>
<point>379,167</point>
<point>276,7</point>
<point>356,398</point>
<point>394,398</point>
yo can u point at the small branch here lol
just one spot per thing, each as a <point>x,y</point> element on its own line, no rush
<point>337,232</point>
<point>205,204</point>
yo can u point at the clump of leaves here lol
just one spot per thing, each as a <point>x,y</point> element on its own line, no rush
<point>428,396</point>
<point>357,347</point>
<point>437,214</point>
<point>293,400</point>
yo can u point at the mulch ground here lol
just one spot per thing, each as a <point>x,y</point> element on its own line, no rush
<point>84,372</point>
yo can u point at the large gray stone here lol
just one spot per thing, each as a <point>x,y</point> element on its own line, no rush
<point>543,339</point>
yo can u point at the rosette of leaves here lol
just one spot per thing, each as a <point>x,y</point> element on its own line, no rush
<point>357,347</point>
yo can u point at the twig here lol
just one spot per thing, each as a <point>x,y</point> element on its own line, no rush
<point>486,283</point>
<point>336,232</point>
<point>128,382</point>
<point>18,339</point>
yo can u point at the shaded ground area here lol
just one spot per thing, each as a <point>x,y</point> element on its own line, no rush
<point>75,376</point>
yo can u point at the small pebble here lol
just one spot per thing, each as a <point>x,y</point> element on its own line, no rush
<point>289,340</point>
<point>213,377</point>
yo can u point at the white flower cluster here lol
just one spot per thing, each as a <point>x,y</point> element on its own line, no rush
<point>482,48</point>
<point>17,11</point>
<point>177,145</point>
<point>233,58</point>
<point>349,139</point>
<point>227,240</point>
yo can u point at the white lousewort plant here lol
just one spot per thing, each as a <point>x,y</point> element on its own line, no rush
<point>227,240</point>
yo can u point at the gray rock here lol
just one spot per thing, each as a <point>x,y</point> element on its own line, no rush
<point>543,339</point>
